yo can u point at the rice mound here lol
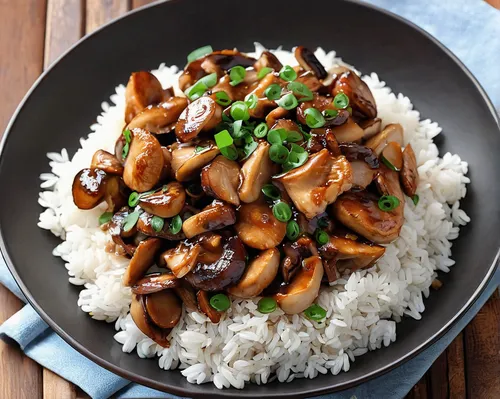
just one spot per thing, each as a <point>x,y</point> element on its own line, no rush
<point>362,310</point>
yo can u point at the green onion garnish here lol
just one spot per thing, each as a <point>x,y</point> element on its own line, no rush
<point>341,101</point>
<point>133,199</point>
<point>222,98</point>
<point>349,109</point>
<point>263,72</point>
<point>292,230</point>
<point>295,159</point>
<point>130,221</point>
<point>220,302</point>
<point>288,101</point>
<point>288,73</point>
<point>237,74</point>
<point>282,211</point>
<point>125,150</point>
<point>199,149</point>
<point>273,92</point>
<point>267,305</point>
<point>388,163</point>
<point>293,136</point>
<point>105,217</point>
<point>209,80</point>
<point>157,223</point>
<point>261,130</point>
<point>236,130</point>
<point>276,136</point>
<point>387,203</point>
<point>175,224</point>
<point>278,153</point>
<point>314,119</point>
<point>315,312</point>
<point>330,113</point>
<point>415,199</point>
<point>196,91</point>
<point>199,52</point>
<point>251,100</point>
<point>321,236</point>
<point>323,222</point>
<point>128,135</point>
<point>301,91</point>
<point>249,147</point>
<point>239,111</point>
<point>271,191</point>
<point>223,139</point>
<point>230,152</point>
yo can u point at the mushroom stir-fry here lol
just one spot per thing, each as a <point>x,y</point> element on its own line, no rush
<point>262,180</point>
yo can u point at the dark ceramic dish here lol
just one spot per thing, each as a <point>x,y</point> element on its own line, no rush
<point>67,98</point>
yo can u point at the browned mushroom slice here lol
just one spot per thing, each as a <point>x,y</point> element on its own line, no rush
<point>107,162</point>
<point>227,59</point>
<point>318,182</point>
<point>155,282</point>
<point>264,105</point>
<point>370,127</point>
<point>304,288</point>
<point>164,308</point>
<point>348,256</point>
<point>166,172</point>
<point>182,259</point>
<point>258,275</point>
<point>205,308</point>
<point>309,62</point>
<point>360,96</point>
<point>275,116</point>
<point>356,152</point>
<point>215,216</point>
<point>187,161</point>
<point>348,132</point>
<point>309,79</point>
<point>323,138</point>
<point>286,124</point>
<point>201,115</point>
<point>142,260</point>
<point>89,188</point>
<point>255,173</point>
<point>268,60</point>
<point>114,194</point>
<point>165,202</point>
<point>362,174</point>
<point>144,162</point>
<point>143,89</point>
<point>227,270</point>
<point>187,295</point>
<point>392,156</point>
<point>258,228</point>
<point>392,132</point>
<point>319,102</point>
<point>360,212</point>
<point>145,227</point>
<point>409,173</point>
<point>118,235</point>
<point>160,118</point>
<point>387,182</point>
<point>145,324</point>
<point>211,247</point>
<point>221,178</point>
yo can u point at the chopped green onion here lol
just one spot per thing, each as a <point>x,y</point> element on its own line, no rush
<point>125,150</point>
<point>282,211</point>
<point>293,136</point>
<point>267,305</point>
<point>288,73</point>
<point>249,148</point>
<point>321,236</point>
<point>157,223</point>
<point>105,217</point>
<point>297,148</point>
<point>271,191</point>
<point>341,101</point>
<point>349,109</point>
<point>199,149</point>
<point>273,92</point>
<point>263,72</point>
<point>278,153</point>
<point>388,163</point>
<point>314,119</point>
<point>222,98</point>
<point>230,152</point>
<point>301,90</point>
<point>239,111</point>
<point>220,302</point>
<point>295,159</point>
<point>415,199</point>
<point>199,52</point>
<point>237,74</point>
<point>128,135</point>
<point>261,130</point>
<point>315,312</point>
<point>276,136</point>
<point>236,130</point>
<point>292,230</point>
<point>196,91</point>
<point>323,222</point>
<point>175,224</point>
<point>251,100</point>
<point>130,221</point>
<point>209,80</point>
<point>330,113</point>
<point>223,139</point>
<point>288,101</point>
<point>133,199</point>
<point>387,203</point>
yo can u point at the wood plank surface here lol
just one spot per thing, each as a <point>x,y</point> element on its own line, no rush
<point>99,12</point>
<point>456,368</point>
<point>55,387</point>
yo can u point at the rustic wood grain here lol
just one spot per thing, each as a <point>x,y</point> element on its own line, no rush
<point>420,390</point>
<point>438,377</point>
<point>482,352</point>
<point>55,387</point>
<point>98,12</point>
<point>140,3</point>
<point>456,368</point>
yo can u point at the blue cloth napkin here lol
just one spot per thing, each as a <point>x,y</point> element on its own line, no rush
<point>471,29</point>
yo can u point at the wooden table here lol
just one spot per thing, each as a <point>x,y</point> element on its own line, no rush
<point>33,33</point>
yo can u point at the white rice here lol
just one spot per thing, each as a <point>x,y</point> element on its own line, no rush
<point>246,345</point>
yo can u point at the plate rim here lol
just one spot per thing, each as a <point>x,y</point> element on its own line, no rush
<point>229,393</point>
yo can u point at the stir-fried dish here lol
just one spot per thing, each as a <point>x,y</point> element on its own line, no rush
<point>255,179</point>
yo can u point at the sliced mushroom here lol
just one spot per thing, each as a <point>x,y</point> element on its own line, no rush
<point>348,132</point>
<point>309,79</point>
<point>144,162</point>
<point>387,182</point>
<point>165,202</point>
<point>275,116</point>
<point>360,96</point>
<point>215,216</point>
<point>255,173</point>
<point>304,289</point>
<point>107,162</point>
<point>258,275</point>
<point>145,324</point>
<point>115,229</point>
<point>392,132</point>
<point>295,253</point>
<point>392,156</point>
<point>164,308</point>
<point>145,227</point>
<point>258,228</point>
<point>362,174</point>
<point>143,89</point>
<point>409,173</point>
<point>204,306</point>
<point>268,60</point>
<point>225,271</point>
<point>221,178</point>
<point>286,124</point>
<point>264,105</point>
<point>318,182</point>
<point>187,161</point>
<point>323,138</point>
<point>167,161</point>
<point>160,118</point>
<point>142,260</point>
<point>202,114</point>
<point>89,187</point>
<point>319,102</point>
<point>155,282</point>
<point>182,259</point>
<point>187,295</point>
<point>370,127</point>
<point>356,152</point>
<point>309,62</point>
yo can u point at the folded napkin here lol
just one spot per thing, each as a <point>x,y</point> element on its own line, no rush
<point>471,29</point>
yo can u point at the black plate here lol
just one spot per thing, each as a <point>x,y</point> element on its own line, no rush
<point>67,98</point>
